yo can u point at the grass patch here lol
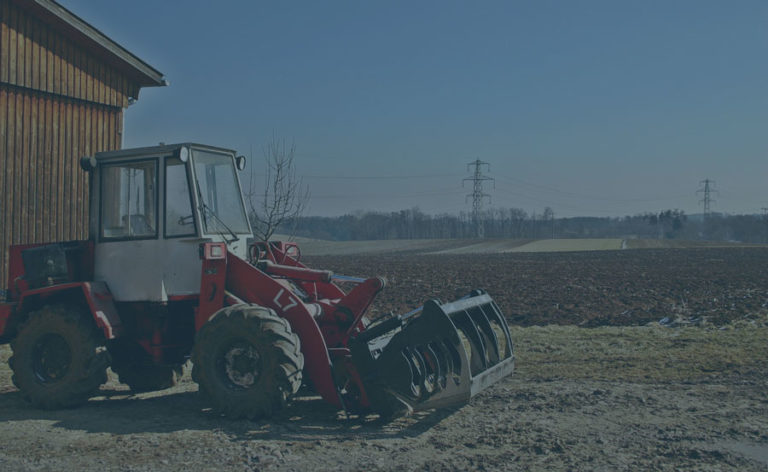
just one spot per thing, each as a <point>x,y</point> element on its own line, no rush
<point>641,354</point>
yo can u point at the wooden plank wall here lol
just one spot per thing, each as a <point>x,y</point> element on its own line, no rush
<point>57,103</point>
<point>34,56</point>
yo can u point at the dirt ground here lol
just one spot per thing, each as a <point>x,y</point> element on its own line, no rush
<point>686,395</point>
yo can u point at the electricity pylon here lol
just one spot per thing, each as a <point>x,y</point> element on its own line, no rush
<point>477,193</point>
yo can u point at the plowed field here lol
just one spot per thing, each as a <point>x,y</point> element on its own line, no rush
<point>618,288</point>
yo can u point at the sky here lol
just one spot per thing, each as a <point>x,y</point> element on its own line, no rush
<point>593,108</point>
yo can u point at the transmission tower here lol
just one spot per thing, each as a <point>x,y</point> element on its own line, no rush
<point>765,220</point>
<point>707,191</point>
<point>477,194</point>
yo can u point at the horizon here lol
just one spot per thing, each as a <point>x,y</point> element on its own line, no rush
<point>700,215</point>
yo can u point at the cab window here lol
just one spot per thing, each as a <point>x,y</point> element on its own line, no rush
<point>179,217</point>
<point>129,200</point>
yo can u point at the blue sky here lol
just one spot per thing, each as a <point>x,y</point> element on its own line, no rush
<point>594,108</point>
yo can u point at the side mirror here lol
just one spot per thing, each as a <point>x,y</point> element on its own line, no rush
<point>240,162</point>
<point>88,163</point>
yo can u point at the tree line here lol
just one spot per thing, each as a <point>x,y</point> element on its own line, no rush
<point>519,224</point>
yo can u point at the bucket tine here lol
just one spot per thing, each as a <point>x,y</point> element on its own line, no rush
<point>477,355</point>
<point>439,355</point>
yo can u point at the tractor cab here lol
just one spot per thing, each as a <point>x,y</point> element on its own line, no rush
<point>152,207</point>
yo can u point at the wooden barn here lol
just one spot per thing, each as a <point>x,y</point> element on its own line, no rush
<point>63,88</point>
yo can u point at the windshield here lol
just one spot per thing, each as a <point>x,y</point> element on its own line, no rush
<point>219,193</point>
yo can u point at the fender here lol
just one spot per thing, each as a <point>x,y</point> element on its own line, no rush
<point>95,294</point>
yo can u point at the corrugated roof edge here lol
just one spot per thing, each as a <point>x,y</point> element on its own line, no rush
<point>80,30</point>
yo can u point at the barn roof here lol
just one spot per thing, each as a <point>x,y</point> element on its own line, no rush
<point>79,31</point>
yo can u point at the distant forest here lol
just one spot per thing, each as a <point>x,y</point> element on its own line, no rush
<point>517,223</point>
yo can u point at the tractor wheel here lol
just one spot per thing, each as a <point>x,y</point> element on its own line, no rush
<point>135,368</point>
<point>59,359</point>
<point>247,361</point>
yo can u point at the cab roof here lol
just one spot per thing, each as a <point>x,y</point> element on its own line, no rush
<point>159,150</point>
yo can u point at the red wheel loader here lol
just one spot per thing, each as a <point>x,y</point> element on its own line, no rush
<point>171,272</point>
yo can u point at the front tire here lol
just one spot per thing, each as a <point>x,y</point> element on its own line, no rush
<point>247,361</point>
<point>59,359</point>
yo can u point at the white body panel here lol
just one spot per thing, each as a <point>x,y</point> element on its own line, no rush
<point>149,270</point>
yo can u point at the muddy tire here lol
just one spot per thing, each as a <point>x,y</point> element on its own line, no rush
<point>135,368</point>
<point>247,361</point>
<point>59,359</point>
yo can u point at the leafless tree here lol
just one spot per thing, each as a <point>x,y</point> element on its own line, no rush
<point>283,197</point>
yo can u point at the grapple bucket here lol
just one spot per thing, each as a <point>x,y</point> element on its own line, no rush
<point>437,355</point>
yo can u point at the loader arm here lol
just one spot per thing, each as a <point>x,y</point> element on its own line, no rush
<point>252,285</point>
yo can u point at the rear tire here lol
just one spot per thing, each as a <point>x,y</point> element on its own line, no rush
<point>247,361</point>
<point>59,359</point>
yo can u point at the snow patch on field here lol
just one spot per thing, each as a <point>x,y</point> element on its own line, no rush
<point>318,247</point>
<point>493,246</point>
<point>562,245</point>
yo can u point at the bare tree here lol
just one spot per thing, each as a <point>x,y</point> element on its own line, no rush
<point>283,198</point>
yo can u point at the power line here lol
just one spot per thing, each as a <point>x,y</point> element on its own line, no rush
<point>477,193</point>
<point>588,196</point>
<point>378,177</point>
<point>345,196</point>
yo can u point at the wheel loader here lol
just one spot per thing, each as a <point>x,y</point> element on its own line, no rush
<point>171,272</point>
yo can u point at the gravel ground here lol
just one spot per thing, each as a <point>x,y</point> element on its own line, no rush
<point>610,398</point>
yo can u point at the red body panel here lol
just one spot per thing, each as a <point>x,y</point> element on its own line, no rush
<point>103,308</point>
<point>6,310</point>
<point>212,283</point>
<point>79,261</point>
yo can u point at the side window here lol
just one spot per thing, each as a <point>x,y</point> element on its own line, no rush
<point>129,200</point>
<point>179,217</point>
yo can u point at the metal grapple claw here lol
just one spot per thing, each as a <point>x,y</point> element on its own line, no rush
<point>437,355</point>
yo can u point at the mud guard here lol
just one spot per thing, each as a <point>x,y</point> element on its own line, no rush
<point>103,309</point>
<point>95,294</point>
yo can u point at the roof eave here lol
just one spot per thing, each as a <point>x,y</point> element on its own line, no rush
<point>74,26</point>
